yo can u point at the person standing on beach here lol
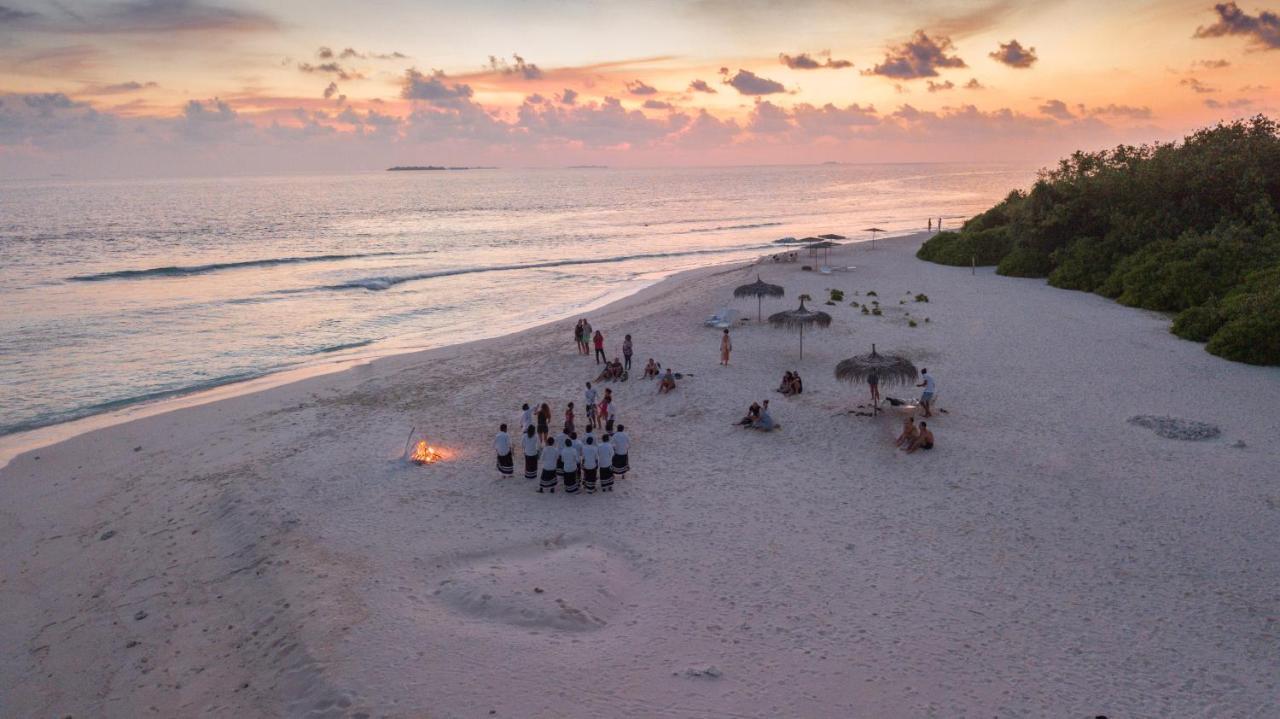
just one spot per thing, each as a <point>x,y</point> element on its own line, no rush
<point>626,353</point>
<point>568,420</point>
<point>726,346</point>
<point>873,382</point>
<point>577,336</point>
<point>604,458</point>
<point>526,417</point>
<point>621,445</point>
<point>529,443</point>
<point>502,445</point>
<point>590,464</point>
<point>926,398</point>
<point>586,336</point>
<point>599,342</point>
<point>569,458</point>
<point>589,399</point>
<point>544,421</point>
<point>549,459</point>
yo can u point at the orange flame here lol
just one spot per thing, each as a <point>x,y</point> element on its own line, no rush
<point>424,453</point>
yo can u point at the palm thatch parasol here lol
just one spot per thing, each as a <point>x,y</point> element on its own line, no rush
<point>873,231</point>
<point>891,369</point>
<point>825,246</point>
<point>799,318</point>
<point>833,237</point>
<point>759,290</point>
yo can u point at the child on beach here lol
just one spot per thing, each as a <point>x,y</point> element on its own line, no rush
<point>604,458</point>
<point>626,352</point>
<point>502,445</point>
<point>549,458</point>
<point>569,459</point>
<point>726,346</point>
<point>621,445</point>
<point>590,464</point>
<point>530,446</point>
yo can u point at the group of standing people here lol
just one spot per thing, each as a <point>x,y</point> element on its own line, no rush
<point>588,339</point>
<point>581,464</point>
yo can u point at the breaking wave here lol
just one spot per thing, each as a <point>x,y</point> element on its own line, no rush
<point>187,270</point>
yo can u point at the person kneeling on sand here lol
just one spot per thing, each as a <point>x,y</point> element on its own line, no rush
<point>604,457</point>
<point>924,440</point>
<point>765,423</point>
<point>548,461</point>
<point>668,382</point>
<point>753,414</point>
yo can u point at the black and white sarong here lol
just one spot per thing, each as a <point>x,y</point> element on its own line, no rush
<point>620,464</point>
<point>606,479</point>
<point>505,465</point>
<point>548,481</point>
<point>531,466</point>
<point>589,480</point>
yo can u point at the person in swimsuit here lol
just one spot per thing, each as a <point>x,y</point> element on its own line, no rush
<point>668,382</point>
<point>924,440</point>
<point>873,382</point>
<point>726,346</point>
<point>544,421</point>
<point>909,433</point>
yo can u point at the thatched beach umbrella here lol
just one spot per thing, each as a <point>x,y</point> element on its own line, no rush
<point>891,369</point>
<point>825,246</point>
<point>799,319</point>
<point>833,237</point>
<point>873,231</point>
<point>759,290</point>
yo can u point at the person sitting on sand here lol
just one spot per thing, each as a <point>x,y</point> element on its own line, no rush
<point>765,423</point>
<point>753,414</point>
<point>909,433</point>
<point>926,397</point>
<point>502,445</point>
<point>668,382</point>
<point>924,440</point>
<point>651,369</point>
<point>797,384</point>
<point>549,459</point>
<point>785,386</point>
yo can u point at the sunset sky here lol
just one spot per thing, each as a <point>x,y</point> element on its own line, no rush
<point>178,87</point>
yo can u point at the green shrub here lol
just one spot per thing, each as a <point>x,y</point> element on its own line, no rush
<point>1024,262</point>
<point>837,295</point>
<point>1198,323</point>
<point>865,311</point>
<point>912,323</point>
<point>876,312</point>
<point>872,293</point>
<point>922,297</point>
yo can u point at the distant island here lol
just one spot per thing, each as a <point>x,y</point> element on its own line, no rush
<point>425,168</point>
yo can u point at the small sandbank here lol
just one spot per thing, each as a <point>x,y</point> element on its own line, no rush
<point>273,554</point>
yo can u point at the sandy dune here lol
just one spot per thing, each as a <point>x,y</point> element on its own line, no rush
<point>272,555</point>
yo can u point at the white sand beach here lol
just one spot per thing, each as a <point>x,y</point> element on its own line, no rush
<point>273,554</point>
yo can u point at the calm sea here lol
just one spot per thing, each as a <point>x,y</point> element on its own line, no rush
<point>118,292</point>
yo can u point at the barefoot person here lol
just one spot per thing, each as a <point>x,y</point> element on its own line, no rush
<point>873,382</point>
<point>621,446</point>
<point>590,464</point>
<point>598,339</point>
<point>626,352</point>
<point>765,423</point>
<point>569,427</point>
<point>544,422</point>
<point>549,458</point>
<point>924,440</point>
<point>753,414</point>
<point>909,432</point>
<point>726,346</point>
<point>526,417</point>
<point>529,443</point>
<point>502,445</point>
<point>926,398</point>
<point>589,399</point>
<point>604,458</point>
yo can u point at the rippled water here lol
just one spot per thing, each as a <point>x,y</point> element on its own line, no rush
<point>121,291</point>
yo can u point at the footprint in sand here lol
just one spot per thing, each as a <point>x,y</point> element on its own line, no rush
<point>562,585</point>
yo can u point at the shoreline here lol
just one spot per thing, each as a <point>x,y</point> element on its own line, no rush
<point>16,444</point>
<point>274,554</point>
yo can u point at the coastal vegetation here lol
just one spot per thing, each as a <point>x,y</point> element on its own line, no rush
<point>1190,228</point>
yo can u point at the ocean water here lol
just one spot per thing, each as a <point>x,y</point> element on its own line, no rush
<point>119,292</point>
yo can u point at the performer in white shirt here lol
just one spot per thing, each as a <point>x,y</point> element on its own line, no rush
<point>590,464</point>
<point>621,446</point>
<point>502,445</point>
<point>531,450</point>
<point>549,459</point>
<point>604,457</point>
